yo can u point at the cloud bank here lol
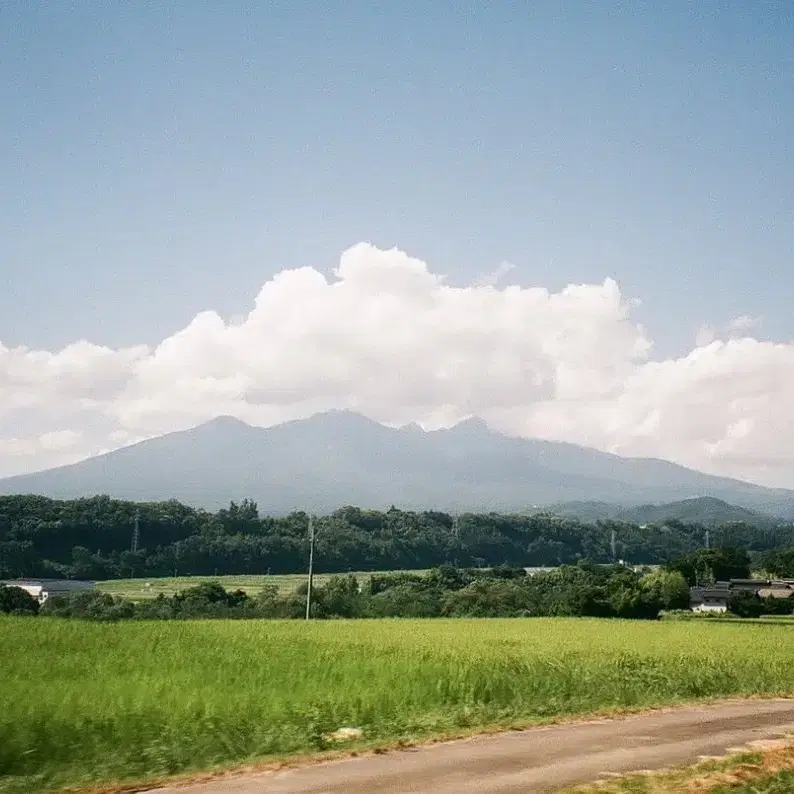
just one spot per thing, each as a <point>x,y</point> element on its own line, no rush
<point>389,338</point>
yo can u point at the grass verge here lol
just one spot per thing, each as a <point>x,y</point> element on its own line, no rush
<point>766,770</point>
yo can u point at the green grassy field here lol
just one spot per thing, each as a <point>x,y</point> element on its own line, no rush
<point>141,589</point>
<point>88,702</point>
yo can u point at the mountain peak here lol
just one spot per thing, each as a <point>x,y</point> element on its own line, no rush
<point>340,417</point>
<point>223,424</point>
<point>473,425</point>
<point>226,421</point>
<point>412,427</point>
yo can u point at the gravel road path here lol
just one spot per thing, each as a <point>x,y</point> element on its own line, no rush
<point>539,759</point>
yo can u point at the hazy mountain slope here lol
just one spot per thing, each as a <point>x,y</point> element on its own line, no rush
<point>339,458</point>
<point>589,512</point>
<point>705,510</point>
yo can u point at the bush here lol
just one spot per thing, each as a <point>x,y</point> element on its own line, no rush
<point>90,605</point>
<point>778,606</point>
<point>746,605</point>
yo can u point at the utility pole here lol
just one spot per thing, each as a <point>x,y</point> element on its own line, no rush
<point>311,569</point>
<point>136,532</point>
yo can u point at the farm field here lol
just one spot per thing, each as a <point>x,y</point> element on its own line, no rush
<point>126,701</point>
<point>142,589</point>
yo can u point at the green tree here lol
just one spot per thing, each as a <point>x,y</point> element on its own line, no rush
<point>268,603</point>
<point>16,601</point>
<point>406,601</point>
<point>208,599</point>
<point>668,588</point>
<point>778,563</point>
<point>339,597</point>
<point>706,566</point>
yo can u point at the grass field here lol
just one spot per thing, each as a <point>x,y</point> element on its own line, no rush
<point>84,702</point>
<point>142,589</point>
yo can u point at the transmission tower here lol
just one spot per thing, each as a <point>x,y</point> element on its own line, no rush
<point>136,533</point>
<point>614,545</point>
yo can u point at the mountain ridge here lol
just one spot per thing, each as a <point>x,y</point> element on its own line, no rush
<point>338,458</point>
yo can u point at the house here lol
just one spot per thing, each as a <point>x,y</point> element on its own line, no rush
<point>42,589</point>
<point>710,599</point>
<point>714,598</point>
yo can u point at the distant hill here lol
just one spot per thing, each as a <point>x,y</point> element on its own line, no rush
<point>705,510</point>
<point>341,458</point>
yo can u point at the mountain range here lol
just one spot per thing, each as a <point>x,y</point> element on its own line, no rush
<point>340,458</point>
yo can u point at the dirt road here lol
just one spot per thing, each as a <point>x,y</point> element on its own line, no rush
<point>539,759</point>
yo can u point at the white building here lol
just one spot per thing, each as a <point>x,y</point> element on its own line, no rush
<point>42,589</point>
<point>710,599</point>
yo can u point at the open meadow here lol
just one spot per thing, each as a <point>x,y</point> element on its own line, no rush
<point>85,702</point>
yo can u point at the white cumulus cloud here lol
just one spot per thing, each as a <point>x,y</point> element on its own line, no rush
<point>389,338</point>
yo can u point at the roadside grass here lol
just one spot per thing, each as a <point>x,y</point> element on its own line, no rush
<point>763,771</point>
<point>94,703</point>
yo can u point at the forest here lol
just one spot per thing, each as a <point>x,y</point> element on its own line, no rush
<point>95,538</point>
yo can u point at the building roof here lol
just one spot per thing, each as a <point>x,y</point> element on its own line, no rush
<point>709,592</point>
<point>776,592</point>
<point>49,584</point>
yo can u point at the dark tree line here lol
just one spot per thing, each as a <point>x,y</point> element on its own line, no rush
<point>92,539</point>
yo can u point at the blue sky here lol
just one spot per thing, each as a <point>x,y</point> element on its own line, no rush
<point>161,158</point>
